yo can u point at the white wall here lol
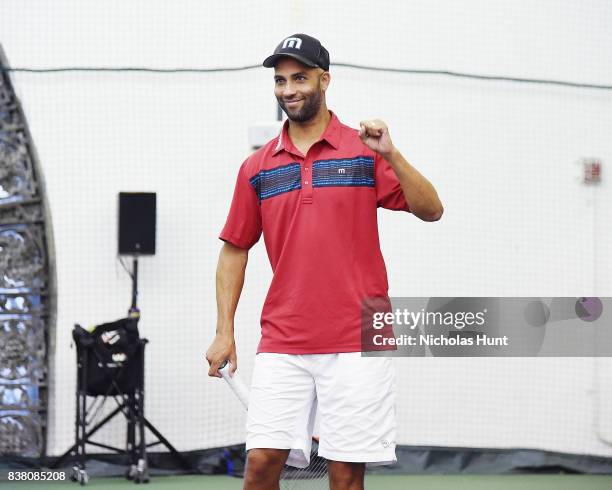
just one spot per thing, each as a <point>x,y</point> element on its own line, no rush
<point>503,157</point>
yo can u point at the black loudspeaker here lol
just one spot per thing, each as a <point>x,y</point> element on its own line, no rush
<point>137,212</point>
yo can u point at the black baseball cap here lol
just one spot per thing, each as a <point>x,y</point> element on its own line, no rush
<point>303,48</point>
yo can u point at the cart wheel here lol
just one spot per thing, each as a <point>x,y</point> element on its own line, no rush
<point>142,475</point>
<point>83,478</point>
<point>142,478</point>
<point>131,473</point>
<point>74,474</point>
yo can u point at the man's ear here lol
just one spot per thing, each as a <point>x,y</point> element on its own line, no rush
<point>325,79</point>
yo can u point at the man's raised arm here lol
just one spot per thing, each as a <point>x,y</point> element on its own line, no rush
<point>418,191</point>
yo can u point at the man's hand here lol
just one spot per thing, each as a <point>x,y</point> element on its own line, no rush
<point>375,135</point>
<point>222,348</point>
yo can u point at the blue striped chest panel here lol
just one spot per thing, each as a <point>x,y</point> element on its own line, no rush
<point>343,172</point>
<point>350,172</point>
<point>270,183</point>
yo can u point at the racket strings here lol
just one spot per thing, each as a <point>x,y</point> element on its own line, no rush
<point>313,477</point>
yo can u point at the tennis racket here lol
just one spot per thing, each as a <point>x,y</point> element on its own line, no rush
<point>314,476</point>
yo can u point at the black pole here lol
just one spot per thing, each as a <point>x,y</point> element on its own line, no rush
<point>134,311</point>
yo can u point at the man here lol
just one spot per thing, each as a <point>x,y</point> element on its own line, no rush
<point>314,192</point>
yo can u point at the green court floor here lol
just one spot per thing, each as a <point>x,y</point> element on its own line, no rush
<point>373,482</point>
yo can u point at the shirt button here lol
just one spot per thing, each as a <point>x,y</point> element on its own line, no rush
<point>306,182</point>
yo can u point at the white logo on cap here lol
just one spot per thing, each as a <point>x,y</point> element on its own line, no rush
<point>292,42</point>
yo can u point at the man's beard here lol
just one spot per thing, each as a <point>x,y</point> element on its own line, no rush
<point>310,108</point>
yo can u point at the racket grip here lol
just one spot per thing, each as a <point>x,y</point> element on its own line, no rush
<point>236,384</point>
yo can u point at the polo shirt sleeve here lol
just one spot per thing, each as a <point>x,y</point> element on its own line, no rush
<point>389,194</point>
<point>243,225</point>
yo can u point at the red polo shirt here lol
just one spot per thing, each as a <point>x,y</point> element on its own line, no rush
<point>318,216</point>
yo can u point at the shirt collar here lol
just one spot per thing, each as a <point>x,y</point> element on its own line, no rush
<point>331,135</point>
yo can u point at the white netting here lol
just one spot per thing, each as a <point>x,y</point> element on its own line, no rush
<point>504,157</point>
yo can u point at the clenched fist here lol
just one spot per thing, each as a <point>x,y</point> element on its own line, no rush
<point>375,135</point>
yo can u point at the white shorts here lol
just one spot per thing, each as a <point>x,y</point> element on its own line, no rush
<point>354,396</point>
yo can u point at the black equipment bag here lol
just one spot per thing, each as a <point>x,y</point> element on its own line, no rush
<point>111,356</point>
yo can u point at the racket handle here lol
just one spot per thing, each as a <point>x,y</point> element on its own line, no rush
<point>236,384</point>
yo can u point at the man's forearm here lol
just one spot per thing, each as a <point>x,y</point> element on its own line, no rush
<point>229,281</point>
<point>418,191</point>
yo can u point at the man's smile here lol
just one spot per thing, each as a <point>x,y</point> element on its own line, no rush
<point>291,103</point>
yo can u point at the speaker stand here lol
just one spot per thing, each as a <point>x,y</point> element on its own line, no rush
<point>134,312</point>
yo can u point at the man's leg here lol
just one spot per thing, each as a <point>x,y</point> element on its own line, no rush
<point>282,401</point>
<point>357,414</point>
<point>263,468</point>
<point>345,476</point>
